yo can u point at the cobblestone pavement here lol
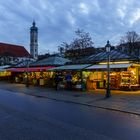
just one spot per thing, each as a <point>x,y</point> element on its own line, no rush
<point>124,101</point>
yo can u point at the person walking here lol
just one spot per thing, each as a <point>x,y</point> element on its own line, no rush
<point>68,79</point>
<point>57,80</point>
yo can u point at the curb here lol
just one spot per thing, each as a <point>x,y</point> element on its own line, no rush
<point>85,104</point>
<point>101,107</point>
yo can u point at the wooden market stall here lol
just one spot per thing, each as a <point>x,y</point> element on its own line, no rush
<point>77,73</point>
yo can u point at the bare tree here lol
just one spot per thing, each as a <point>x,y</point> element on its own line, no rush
<point>63,47</point>
<point>83,40</point>
<point>130,39</point>
<point>79,45</point>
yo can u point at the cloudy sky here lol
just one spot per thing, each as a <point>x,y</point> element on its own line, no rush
<point>58,19</point>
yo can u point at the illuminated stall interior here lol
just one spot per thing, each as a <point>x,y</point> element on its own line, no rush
<point>37,72</point>
<point>122,76</point>
<point>124,71</point>
<point>4,74</point>
<point>34,75</point>
<point>77,73</point>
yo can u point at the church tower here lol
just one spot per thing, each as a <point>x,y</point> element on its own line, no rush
<point>34,41</point>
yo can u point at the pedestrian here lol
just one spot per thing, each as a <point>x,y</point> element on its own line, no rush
<point>57,80</point>
<point>68,79</point>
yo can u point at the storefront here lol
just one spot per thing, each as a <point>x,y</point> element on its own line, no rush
<point>35,75</point>
<point>4,74</point>
<point>123,76</point>
<point>77,73</point>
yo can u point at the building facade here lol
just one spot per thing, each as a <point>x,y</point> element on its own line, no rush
<point>34,41</point>
<point>11,54</point>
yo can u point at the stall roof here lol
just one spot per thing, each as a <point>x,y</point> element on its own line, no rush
<point>102,56</point>
<point>52,60</point>
<point>30,69</point>
<point>70,67</point>
<point>4,68</point>
<point>112,66</point>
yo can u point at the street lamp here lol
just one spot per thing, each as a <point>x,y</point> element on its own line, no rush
<point>108,47</point>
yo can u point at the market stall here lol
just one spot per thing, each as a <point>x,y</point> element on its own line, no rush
<point>35,75</point>
<point>4,74</point>
<point>77,73</point>
<point>123,76</point>
<point>130,79</point>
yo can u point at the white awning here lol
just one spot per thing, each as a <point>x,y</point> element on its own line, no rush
<point>112,66</point>
<point>3,68</point>
<point>70,67</point>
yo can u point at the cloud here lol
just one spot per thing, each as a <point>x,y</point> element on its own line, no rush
<point>83,8</point>
<point>135,17</point>
<point>71,19</point>
<point>57,20</point>
<point>121,12</point>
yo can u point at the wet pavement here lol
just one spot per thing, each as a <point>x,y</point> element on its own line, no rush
<point>124,101</point>
<point>24,117</point>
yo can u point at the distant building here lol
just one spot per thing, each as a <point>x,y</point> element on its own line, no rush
<point>12,54</point>
<point>130,48</point>
<point>74,54</point>
<point>34,41</point>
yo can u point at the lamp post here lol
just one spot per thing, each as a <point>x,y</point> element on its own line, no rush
<point>108,47</point>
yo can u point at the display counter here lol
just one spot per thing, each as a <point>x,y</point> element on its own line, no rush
<point>129,87</point>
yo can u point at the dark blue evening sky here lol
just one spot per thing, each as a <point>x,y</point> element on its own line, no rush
<point>58,19</point>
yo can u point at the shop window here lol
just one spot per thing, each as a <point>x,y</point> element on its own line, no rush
<point>128,79</point>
